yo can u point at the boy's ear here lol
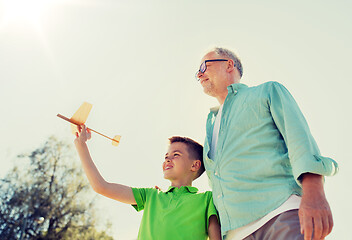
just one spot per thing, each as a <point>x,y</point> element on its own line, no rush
<point>196,165</point>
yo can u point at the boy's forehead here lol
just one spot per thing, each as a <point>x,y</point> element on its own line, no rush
<point>177,146</point>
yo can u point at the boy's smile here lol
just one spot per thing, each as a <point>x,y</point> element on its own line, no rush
<point>167,167</point>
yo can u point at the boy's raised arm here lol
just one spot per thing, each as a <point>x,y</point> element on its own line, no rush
<point>214,231</point>
<point>114,191</point>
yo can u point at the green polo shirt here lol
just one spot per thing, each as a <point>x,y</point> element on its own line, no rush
<point>178,213</point>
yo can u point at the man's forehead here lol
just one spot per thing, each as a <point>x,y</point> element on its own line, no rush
<point>209,55</point>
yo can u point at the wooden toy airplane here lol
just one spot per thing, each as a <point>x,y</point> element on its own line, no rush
<point>80,117</point>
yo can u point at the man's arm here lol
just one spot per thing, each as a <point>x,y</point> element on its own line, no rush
<point>117,192</point>
<point>214,231</point>
<point>314,212</point>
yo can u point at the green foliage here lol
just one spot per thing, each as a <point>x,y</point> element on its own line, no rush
<point>50,186</point>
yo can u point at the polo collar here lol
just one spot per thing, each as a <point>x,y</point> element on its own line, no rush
<point>183,189</point>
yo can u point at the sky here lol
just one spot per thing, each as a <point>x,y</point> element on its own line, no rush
<point>135,62</point>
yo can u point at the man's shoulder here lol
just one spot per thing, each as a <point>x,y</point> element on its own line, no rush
<point>267,85</point>
<point>264,89</point>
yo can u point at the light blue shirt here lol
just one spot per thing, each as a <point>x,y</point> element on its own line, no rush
<point>264,145</point>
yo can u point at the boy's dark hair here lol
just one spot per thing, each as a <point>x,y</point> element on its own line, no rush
<point>195,150</point>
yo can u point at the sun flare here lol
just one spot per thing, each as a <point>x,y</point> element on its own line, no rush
<point>24,11</point>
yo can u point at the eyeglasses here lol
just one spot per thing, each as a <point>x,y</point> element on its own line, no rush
<point>203,66</point>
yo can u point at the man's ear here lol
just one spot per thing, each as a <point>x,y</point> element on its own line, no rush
<point>196,165</point>
<point>230,65</point>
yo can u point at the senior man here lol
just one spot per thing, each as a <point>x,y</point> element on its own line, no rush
<point>264,166</point>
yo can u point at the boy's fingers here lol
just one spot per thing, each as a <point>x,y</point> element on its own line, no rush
<point>89,134</point>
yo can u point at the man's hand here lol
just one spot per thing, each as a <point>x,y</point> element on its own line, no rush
<point>314,212</point>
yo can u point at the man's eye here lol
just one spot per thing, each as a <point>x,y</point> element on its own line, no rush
<point>176,154</point>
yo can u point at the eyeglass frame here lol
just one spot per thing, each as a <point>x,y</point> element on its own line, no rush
<point>205,64</point>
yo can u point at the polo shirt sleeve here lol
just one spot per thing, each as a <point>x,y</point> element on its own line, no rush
<point>303,151</point>
<point>211,210</point>
<point>140,195</point>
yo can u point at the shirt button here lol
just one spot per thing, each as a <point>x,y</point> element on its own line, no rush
<point>219,196</point>
<point>216,173</point>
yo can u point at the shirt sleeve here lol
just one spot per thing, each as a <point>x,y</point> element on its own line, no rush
<point>211,208</point>
<point>140,195</point>
<point>303,151</point>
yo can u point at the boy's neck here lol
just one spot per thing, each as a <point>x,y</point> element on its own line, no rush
<point>179,184</point>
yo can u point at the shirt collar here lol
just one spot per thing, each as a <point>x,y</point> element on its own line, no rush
<point>233,88</point>
<point>183,189</point>
<point>215,109</point>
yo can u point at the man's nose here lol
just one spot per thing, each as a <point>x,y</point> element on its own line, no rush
<point>198,75</point>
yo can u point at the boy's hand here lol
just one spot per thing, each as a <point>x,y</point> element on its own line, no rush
<point>83,134</point>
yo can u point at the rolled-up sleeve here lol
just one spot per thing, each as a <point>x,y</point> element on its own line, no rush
<point>303,152</point>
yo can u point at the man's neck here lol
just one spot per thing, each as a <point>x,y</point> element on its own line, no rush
<point>222,96</point>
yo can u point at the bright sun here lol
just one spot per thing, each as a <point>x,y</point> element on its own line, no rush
<point>24,11</point>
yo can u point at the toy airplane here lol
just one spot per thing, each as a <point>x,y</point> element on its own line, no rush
<point>80,117</point>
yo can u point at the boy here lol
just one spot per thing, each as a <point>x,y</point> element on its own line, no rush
<point>179,213</point>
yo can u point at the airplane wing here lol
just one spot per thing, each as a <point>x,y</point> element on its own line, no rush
<point>80,116</point>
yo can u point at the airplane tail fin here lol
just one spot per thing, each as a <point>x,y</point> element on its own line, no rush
<point>116,140</point>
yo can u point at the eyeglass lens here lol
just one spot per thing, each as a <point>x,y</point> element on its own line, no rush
<point>203,67</point>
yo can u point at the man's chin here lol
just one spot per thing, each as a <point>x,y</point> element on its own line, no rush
<point>208,92</point>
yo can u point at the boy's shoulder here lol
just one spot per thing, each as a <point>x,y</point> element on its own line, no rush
<point>206,193</point>
<point>183,190</point>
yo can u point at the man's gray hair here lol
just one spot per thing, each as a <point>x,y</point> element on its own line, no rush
<point>223,52</point>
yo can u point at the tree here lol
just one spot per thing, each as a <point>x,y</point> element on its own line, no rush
<point>52,187</point>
